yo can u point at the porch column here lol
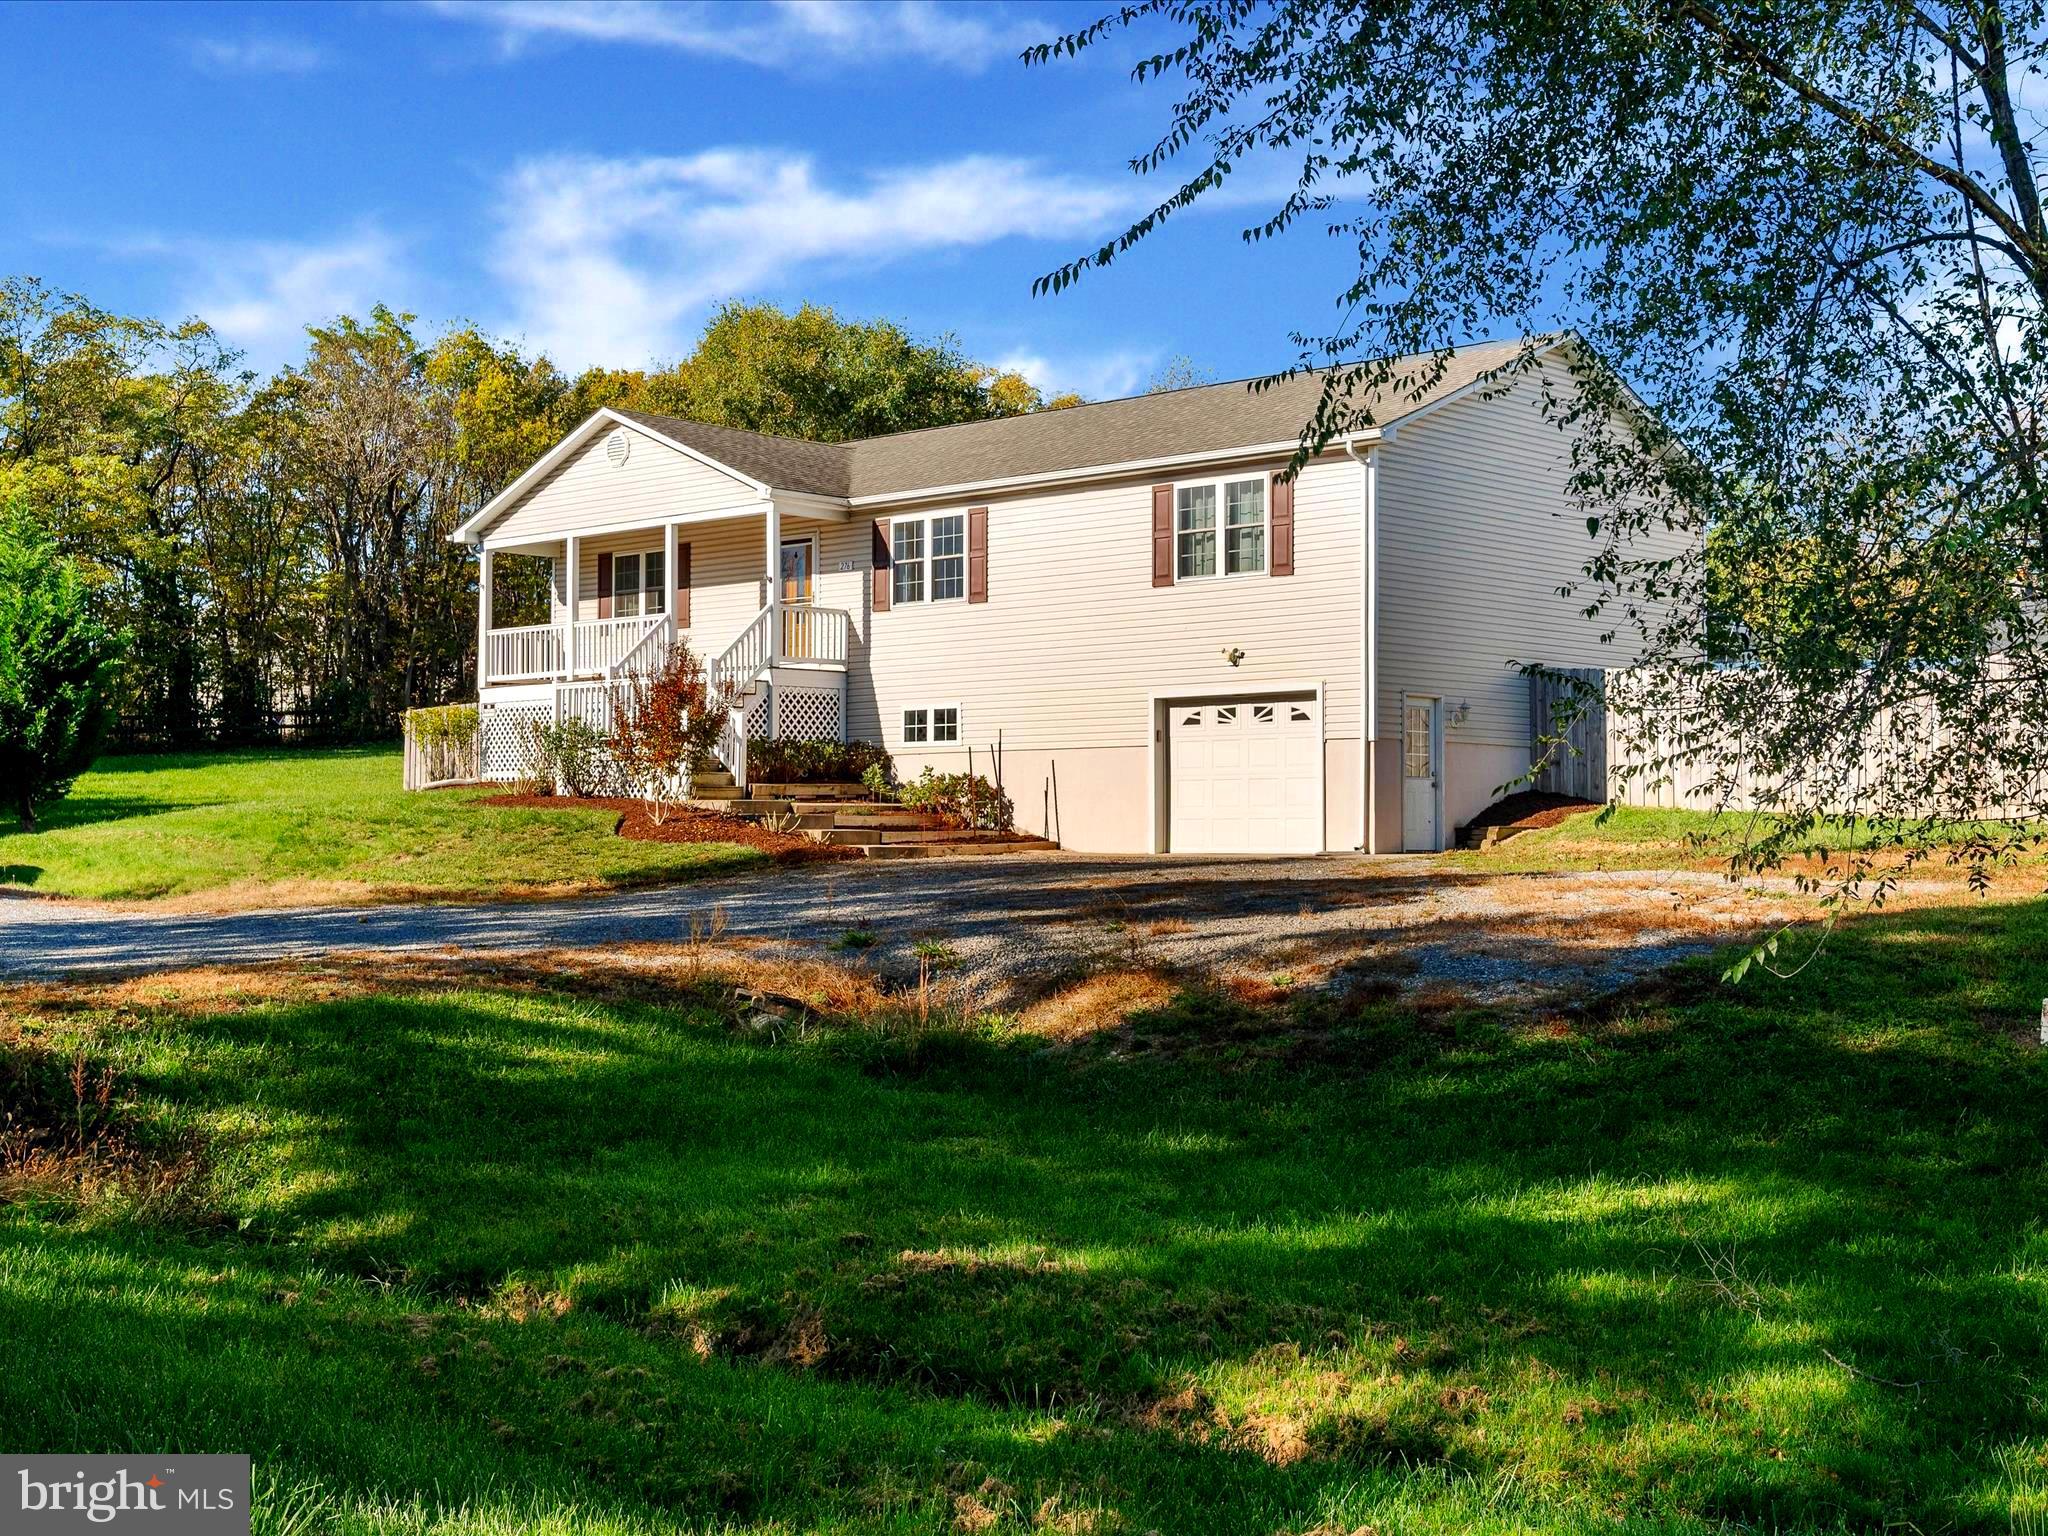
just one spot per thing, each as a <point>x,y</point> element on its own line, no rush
<point>484,569</point>
<point>671,578</point>
<point>575,601</point>
<point>774,526</point>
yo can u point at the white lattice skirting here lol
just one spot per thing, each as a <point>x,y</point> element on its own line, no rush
<point>507,731</point>
<point>806,714</point>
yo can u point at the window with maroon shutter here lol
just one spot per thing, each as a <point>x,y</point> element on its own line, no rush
<point>1162,535</point>
<point>1283,527</point>
<point>977,554</point>
<point>682,586</point>
<point>604,586</point>
<point>881,562</point>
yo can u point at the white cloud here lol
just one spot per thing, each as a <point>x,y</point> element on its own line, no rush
<point>778,34</point>
<point>1098,376</point>
<point>256,55</point>
<point>261,295</point>
<point>610,259</point>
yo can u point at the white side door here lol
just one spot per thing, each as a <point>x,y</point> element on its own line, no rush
<point>1245,776</point>
<point>1419,772</point>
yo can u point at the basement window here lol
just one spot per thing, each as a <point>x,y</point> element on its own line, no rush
<point>937,725</point>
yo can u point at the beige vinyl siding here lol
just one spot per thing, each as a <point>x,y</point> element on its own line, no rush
<point>1074,638</point>
<point>1477,533</point>
<point>585,491</point>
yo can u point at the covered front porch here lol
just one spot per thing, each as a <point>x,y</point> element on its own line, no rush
<point>740,588</point>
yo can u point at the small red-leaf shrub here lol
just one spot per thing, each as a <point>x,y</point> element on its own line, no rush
<point>666,727</point>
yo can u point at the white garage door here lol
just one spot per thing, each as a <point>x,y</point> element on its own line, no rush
<point>1245,776</point>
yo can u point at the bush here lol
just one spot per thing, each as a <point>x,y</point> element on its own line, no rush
<point>814,761</point>
<point>571,756</point>
<point>964,799</point>
<point>447,739</point>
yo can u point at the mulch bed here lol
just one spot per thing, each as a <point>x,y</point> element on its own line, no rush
<point>1528,809</point>
<point>684,826</point>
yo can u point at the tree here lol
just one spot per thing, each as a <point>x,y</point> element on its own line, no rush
<point>1179,372</point>
<point>1811,235</point>
<point>666,727</point>
<point>57,664</point>
<point>813,375</point>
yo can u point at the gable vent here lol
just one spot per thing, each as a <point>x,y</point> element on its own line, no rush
<point>617,447</point>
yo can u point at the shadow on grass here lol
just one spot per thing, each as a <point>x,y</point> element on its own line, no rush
<point>1762,1255</point>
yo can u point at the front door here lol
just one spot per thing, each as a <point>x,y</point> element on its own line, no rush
<point>1419,771</point>
<point>796,596</point>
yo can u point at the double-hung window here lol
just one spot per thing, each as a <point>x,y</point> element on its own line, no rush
<point>928,559</point>
<point>1219,528</point>
<point>637,585</point>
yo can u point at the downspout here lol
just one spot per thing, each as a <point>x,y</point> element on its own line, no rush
<point>1369,650</point>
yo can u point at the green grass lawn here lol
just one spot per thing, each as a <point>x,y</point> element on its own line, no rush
<point>1651,837</point>
<point>254,826</point>
<point>494,1260</point>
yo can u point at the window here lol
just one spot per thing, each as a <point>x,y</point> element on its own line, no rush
<point>906,558</point>
<point>949,557</point>
<point>928,557</point>
<point>637,585</point>
<point>934,725</point>
<point>1243,543</point>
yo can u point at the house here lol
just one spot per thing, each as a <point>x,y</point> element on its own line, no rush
<point>1174,647</point>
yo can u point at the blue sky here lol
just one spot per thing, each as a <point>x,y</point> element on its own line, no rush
<point>592,179</point>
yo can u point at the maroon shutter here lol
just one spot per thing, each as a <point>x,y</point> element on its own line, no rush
<point>682,586</point>
<point>881,565</point>
<point>1283,527</point>
<point>1162,535</point>
<point>604,586</point>
<point>977,554</point>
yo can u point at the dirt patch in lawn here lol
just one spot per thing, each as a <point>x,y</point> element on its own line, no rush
<point>1528,810</point>
<point>636,820</point>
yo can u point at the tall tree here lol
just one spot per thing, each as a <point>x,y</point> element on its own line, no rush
<point>57,661</point>
<point>1810,233</point>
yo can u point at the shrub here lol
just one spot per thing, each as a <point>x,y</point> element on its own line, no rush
<point>814,761</point>
<point>875,778</point>
<point>571,756</point>
<point>964,799</point>
<point>57,663</point>
<point>447,739</point>
<point>666,727</point>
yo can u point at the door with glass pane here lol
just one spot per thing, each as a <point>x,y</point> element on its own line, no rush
<point>797,560</point>
<point>1420,771</point>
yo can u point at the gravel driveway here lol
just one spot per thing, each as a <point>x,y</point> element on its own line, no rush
<point>1010,920</point>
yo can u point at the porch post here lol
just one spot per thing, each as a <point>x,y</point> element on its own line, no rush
<point>774,525</point>
<point>575,601</point>
<point>671,578</point>
<point>483,616</point>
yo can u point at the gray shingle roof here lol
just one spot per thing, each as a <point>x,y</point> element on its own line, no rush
<point>1216,417</point>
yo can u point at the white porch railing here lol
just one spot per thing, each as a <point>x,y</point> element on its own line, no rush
<point>601,644</point>
<point>593,648</point>
<point>814,634</point>
<point>535,650</point>
<point>740,663</point>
